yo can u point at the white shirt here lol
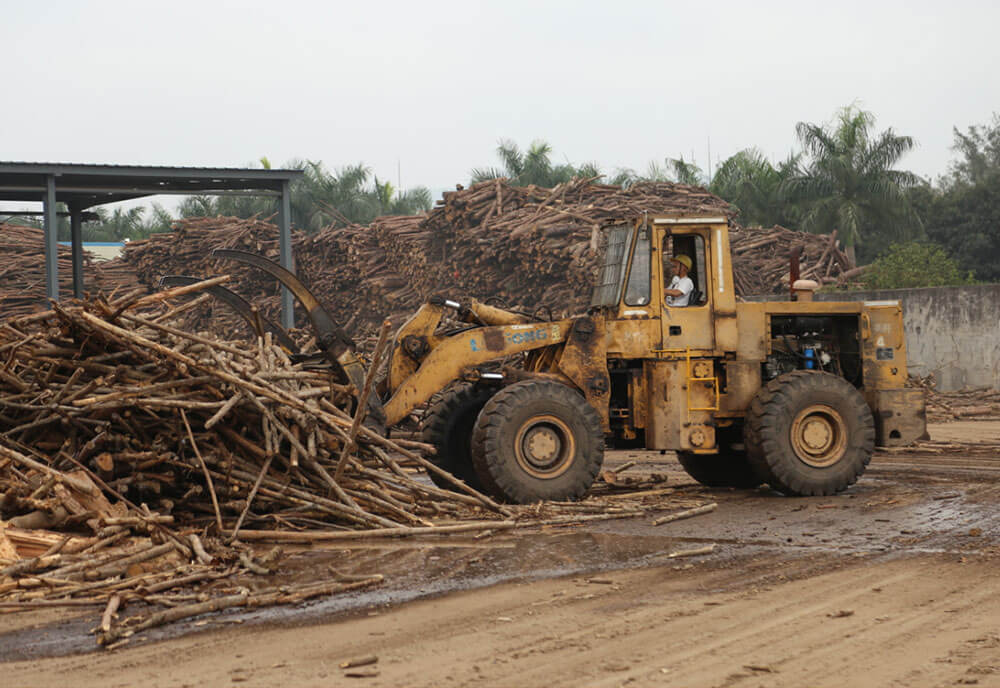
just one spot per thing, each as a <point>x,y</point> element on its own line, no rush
<point>683,285</point>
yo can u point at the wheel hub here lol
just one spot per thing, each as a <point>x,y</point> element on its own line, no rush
<point>544,446</point>
<point>819,435</point>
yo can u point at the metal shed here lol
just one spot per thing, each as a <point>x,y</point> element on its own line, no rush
<point>83,186</point>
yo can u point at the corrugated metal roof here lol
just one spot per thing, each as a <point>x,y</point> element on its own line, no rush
<point>84,166</point>
<point>89,184</point>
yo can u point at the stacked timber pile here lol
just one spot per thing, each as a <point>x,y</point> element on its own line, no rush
<point>188,251</point>
<point>537,248</point>
<point>22,271</point>
<point>157,448</point>
<point>980,403</point>
<point>152,409</point>
<point>530,248</point>
<point>351,269</point>
<point>343,266</point>
<point>761,259</point>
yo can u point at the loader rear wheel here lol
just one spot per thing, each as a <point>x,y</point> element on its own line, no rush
<point>809,433</point>
<point>447,426</point>
<point>537,440</point>
<point>729,468</point>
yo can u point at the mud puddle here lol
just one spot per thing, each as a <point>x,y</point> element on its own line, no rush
<point>889,513</point>
<point>869,520</point>
<point>412,570</point>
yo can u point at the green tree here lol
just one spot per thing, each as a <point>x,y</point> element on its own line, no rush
<point>119,224</point>
<point>962,211</point>
<point>672,170</point>
<point>749,181</point>
<point>848,182</point>
<point>915,264</point>
<point>391,202</point>
<point>320,198</point>
<point>979,154</point>
<point>532,166</point>
<point>686,172</point>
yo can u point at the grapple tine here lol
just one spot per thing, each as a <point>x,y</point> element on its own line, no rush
<point>244,308</point>
<point>328,335</point>
<point>331,339</point>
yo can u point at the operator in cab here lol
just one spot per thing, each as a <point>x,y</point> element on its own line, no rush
<point>679,292</point>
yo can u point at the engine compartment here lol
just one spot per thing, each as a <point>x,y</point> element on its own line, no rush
<point>829,343</point>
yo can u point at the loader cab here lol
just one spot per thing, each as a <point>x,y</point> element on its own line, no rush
<point>638,268</point>
<point>692,246</point>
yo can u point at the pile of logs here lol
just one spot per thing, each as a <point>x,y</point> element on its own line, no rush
<point>200,428</point>
<point>159,578</point>
<point>536,249</point>
<point>966,404</point>
<point>188,251</point>
<point>136,436</point>
<point>22,271</point>
<point>530,248</point>
<point>761,259</point>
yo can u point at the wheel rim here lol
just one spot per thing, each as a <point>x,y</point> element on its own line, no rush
<point>544,447</point>
<point>819,436</point>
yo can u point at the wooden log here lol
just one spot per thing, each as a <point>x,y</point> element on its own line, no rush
<point>359,414</point>
<point>687,513</point>
<point>326,536</point>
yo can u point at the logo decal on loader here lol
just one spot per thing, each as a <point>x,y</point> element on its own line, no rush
<point>539,334</point>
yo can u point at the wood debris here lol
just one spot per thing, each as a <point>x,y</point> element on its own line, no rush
<point>696,552</point>
<point>530,248</point>
<point>687,513</point>
<point>22,274</point>
<point>979,403</point>
<point>117,425</point>
<point>761,258</point>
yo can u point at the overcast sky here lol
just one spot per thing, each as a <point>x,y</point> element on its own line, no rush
<point>433,85</point>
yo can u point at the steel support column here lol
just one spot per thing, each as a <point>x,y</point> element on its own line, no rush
<point>76,241</point>
<point>286,259</point>
<point>51,239</point>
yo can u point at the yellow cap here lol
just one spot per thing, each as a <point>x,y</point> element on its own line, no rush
<point>683,260</point>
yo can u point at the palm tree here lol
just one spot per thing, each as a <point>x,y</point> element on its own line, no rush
<point>410,202</point>
<point>120,224</point>
<point>675,170</point>
<point>848,182</point>
<point>320,198</point>
<point>533,166</point>
<point>749,181</point>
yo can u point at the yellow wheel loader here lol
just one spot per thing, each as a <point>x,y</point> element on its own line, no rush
<point>795,394</point>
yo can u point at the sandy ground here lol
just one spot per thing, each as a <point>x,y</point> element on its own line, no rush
<point>892,584</point>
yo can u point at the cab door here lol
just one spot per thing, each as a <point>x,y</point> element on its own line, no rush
<point>690,326</point>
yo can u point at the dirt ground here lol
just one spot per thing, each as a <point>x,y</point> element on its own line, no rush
<point>893,583</point>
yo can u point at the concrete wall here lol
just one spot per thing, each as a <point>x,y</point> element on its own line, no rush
<point>101,251</point>
<point>953,332</point>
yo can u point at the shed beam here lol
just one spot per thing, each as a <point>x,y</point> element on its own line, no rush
<point>139,190</point>
<point>51,240</point>
<point>286,259</point>
<point>76,242</point>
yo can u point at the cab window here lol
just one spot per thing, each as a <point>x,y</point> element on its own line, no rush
<point>637,291</point>
<point>692,246</point>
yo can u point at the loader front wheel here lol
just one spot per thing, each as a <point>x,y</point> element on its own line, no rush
<point>729,468</point>
<point>447,426</point>
<point>809,433</point>
<point>537,440</point>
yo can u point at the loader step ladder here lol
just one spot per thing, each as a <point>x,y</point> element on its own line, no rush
<point>701,375</point>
